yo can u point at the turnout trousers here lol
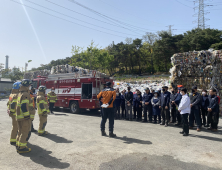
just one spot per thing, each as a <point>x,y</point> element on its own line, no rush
<point>24,133</point>
<point>14,128</point>
<point>42,123</point>
<point>107,113</point>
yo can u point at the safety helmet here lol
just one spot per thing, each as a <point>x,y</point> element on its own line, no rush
<point>26,82</point>
<point>42,88</point>
<point>16,85</point>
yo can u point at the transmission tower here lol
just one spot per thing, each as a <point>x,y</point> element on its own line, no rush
<point>201,14</point>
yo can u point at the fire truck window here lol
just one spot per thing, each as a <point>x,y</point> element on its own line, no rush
<point>86,91</point>
<point>34,83</point>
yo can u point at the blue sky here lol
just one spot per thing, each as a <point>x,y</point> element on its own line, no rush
<point>27,34</point>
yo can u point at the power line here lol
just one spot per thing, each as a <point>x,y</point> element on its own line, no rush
<point>125,11</point>
<point>68,20</point>
<point>183,4</point>
<point>89,16</point>
<point>105,16</point>
<point>78,19</point>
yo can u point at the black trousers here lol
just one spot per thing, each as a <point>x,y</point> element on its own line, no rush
<point>178,115</point>
<point>135,111</point>
<point>148,108</point>
<point>139,112</point>
<point>195,113</point>
<point>214,119</point>
<point>185,123</point>
<point>155,118</point>
<point>173,114</point>
<point>165,115</point>
<point>123,110</point>
<point>51,105</point>
<point>107,113</point>
<point>204,114</point>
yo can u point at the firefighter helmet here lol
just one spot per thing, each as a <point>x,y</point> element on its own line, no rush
<point>42,88</point>
<point>26,82</point>
<point>16,85</point>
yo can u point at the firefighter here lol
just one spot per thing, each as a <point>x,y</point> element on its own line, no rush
<point>12,111</point>
<point>108,96</point>
<point>23,117</point>
<point>43,110</point>
<point>32,108</point>
<point>52,98</point>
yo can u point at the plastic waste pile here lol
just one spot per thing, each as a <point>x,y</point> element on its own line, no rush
<point>63,69</point>
<point>200,68</point>
<point>141,85</point>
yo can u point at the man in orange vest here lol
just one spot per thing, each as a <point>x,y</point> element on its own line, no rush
<point>108,96</point>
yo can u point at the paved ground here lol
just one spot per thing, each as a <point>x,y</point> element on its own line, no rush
<point>75,143</point>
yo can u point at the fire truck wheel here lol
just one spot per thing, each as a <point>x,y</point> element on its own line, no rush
<point>74,107</point>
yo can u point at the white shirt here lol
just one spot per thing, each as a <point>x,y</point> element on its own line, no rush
<point>184,105</point>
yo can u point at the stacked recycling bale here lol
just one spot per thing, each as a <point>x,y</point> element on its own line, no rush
<point>200,68</point>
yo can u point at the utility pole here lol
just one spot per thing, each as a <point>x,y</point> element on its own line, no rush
<point>170,29</point>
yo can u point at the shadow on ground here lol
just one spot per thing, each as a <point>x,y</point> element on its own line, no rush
<point>43,157</point>
<point>207,137</point>
<point>127,140</point>
<point>57,139</point>
<point>150,162</point>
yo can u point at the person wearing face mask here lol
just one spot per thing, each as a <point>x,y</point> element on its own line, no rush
<point>117,103</point>
<point>128,104</point>
<point>52,98</point>
<point>147,105</point>
<point>123,104</point>
<point>165,101</point>
<point>195,100</point>
<point>213,110</point>
<point>177,102</point>
<point>204,104</point>
<point>135,111</point>
<point>184,109</point>
<point>155,101</point>
<point>139,104</point>
<point>173,97</point>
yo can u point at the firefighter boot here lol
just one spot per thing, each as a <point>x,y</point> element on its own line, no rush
<point>103,133</point>
<point>13,143</point>
<point>112,135</point>
<point>24,150</point>
<point>43,134</point>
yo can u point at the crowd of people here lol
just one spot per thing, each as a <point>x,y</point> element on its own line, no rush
<point>177,107</point>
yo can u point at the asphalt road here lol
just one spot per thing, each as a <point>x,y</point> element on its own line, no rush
<point>75,143</point>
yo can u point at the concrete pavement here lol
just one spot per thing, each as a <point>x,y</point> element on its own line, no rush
<point>75,143</point>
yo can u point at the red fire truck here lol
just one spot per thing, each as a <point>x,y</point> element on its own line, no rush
<point>74,90</point>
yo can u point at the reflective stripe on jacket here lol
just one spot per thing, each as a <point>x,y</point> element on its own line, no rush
<point>52,97</point>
